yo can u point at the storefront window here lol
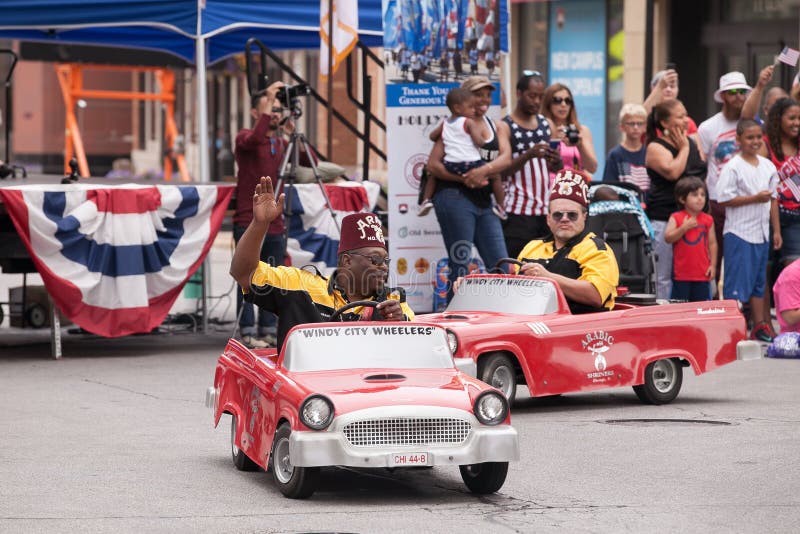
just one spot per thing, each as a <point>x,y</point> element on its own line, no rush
<point>750,10</point>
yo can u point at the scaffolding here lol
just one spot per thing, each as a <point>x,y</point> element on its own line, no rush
<point>70,79</point>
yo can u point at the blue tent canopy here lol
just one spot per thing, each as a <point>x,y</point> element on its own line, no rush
<point>172,25</point>
<point>200,31</point>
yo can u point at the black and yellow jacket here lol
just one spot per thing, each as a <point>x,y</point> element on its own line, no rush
<point>299,296</point>
<point>584,257</point>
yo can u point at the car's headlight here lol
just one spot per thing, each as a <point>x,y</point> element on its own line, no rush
<point>452,342</point>
<point>316,412</point>
<point>491,408</point>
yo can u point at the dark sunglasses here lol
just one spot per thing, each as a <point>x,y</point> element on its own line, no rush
<point>559,100</point>
<point>733,92</point>
<point>375,260</point>
<point>571,215</point>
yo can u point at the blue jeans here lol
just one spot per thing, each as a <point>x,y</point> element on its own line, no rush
<point>663,251</point>
<point>273,250</point>
<point>464,224</point>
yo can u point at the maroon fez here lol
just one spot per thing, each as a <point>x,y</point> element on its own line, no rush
<point>571,184</point>
<point>361,230</point>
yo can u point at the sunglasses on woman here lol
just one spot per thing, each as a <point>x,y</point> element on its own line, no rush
<point>571,215</point>
<point>559,100</point>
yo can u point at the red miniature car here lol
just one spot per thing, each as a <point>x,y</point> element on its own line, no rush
<point>360,394</point>
<point>509,330</point>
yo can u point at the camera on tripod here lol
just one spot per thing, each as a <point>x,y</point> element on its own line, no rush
<point>289,97</point>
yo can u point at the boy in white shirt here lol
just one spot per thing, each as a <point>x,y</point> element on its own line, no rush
<point>747,189</point>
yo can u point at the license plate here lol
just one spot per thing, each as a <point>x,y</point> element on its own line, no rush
<point>409,458</point>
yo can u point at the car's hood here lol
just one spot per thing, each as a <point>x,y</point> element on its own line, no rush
<point>356,389</point>
<point>478,318</point>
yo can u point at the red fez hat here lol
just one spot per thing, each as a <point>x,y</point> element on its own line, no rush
<point>361,230</point>
<point>572,185</point>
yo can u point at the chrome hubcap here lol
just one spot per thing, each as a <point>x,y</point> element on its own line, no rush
<point>280,463</point>
<point>502,379</point>
<point>663,375</point>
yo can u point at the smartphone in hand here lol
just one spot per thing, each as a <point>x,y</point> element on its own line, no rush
<point>555,144</point>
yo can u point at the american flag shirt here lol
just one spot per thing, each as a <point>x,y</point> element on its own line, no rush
<point>527,190</point>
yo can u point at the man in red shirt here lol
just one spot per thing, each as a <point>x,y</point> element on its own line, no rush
<point>259,152</point>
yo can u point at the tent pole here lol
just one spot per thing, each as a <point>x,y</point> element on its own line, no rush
<point>202,138</point>
<point>330,80</point>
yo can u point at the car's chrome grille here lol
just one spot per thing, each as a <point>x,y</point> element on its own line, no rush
<point>407,431</point>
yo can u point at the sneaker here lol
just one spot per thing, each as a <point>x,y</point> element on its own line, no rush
<point>498,210</point>
<point>269,339</point>
<point>254,342</point>
<point>424,208</point>
<point>762,332</point>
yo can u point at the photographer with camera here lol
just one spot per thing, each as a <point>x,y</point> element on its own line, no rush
<point>259,152</point>
<point>576,147</point>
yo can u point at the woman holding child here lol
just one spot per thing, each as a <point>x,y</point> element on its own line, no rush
<point>463,203</point>
<point>671,154</point>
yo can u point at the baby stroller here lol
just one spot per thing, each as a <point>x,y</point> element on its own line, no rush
<point>626,229</point>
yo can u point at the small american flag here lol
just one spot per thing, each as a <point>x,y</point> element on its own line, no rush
<point>788,56</point>
<point>792,185</point>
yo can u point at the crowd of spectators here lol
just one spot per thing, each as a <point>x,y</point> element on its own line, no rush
<point>733,182</point>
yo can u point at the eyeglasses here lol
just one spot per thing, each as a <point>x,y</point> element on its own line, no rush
<point>634,124</point>
<point>733,92</point>
<point>571,215</point>
<point>375,260</point>
<point>558,100</point>
<point>531,73</point>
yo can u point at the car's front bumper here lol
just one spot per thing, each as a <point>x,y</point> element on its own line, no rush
<point>749,350</point>
<point>330,447</point>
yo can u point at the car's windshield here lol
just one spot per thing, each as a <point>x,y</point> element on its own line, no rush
<point>364,345</point>
<point>507,294</point>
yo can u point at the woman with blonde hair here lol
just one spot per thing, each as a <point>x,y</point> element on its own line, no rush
<point>577,150</point>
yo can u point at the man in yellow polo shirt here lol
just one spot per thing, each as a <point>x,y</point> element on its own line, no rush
<point>300,296</point>
<point>584,267</point>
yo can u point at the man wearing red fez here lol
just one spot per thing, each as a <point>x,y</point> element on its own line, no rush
<point>300,296</point>
<point>579,261</point>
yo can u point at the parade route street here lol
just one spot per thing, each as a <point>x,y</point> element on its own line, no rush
<point>115,437</point>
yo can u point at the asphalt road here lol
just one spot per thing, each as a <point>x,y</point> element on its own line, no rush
<point>116,438</point>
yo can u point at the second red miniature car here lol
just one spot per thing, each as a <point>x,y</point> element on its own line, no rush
<point>509,330</point>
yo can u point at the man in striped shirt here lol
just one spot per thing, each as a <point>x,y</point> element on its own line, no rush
<point>527,180</point>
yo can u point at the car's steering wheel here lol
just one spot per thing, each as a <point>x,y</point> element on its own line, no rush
<point>336,315</point>
<point>503,261</point>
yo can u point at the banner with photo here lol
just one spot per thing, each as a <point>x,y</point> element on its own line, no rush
<point>430,46</point>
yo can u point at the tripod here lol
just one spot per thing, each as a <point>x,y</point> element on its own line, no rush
<point>287,174</point>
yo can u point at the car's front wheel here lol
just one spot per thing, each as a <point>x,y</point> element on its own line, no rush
<point>498,371</point>
<point>662,381</point>
<point>240,459</point>
<point>486,477</point>
<point>294,482</point>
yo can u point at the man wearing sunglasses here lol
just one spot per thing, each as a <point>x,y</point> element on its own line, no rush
<point>584,267</point>
<point>299,296</point>
<point>718,141</point>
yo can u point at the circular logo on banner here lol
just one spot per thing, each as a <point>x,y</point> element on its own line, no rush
<point>402,266</point>
<point>413,169</point>
<point>421,265</point>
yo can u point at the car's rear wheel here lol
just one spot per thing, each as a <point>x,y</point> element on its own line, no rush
<point>498,371</point>
<point>662,381</point>
<point>240,459</point>
<point>294,482</point>
<point>483,478</point>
